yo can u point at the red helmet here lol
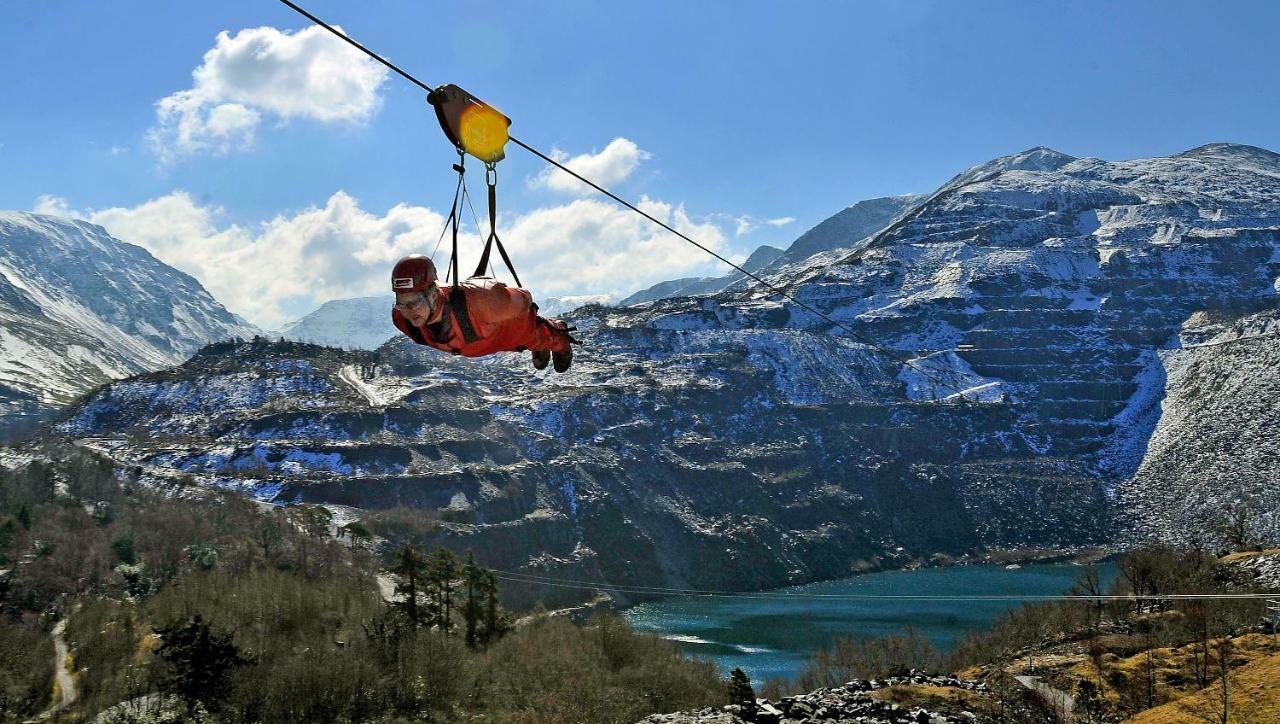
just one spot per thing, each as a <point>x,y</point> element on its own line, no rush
<point>413,274</point>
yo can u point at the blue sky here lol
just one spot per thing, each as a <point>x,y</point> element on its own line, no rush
<point>732,115</point>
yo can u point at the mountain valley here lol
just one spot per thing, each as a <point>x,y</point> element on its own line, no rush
<point>1034,320</point>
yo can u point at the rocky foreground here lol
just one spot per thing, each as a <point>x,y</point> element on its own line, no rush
<point>865,702</point>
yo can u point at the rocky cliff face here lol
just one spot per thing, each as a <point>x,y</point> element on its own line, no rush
<point>1211,464</point>
<point>79,307</point>
<point>737,441</point>
<point>1058,284</point>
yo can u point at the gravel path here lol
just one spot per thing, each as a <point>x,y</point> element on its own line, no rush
<point>1062,703</point>
<point>66,685</point>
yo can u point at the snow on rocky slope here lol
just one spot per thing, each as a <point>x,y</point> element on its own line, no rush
<point>1216,448</point>
<point>737,441</point>
<point>79,307</point>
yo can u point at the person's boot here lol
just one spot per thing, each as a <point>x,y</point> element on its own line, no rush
<point>563,359</point>
<point>541,357</point>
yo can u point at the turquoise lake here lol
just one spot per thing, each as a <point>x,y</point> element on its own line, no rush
<point>772,637</point>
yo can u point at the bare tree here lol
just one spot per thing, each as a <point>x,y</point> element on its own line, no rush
<point>1238,522</point>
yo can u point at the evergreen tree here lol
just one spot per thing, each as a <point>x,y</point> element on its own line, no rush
<point>123,548</point>
<point>358,532</point>
<point>1089,703</point>
<point>411,569</point>
<point>740,691</point>
<point>473,609</point>
<point>442,569</point>
<point>200,663</point>
<point>496,621</point>
<point>268,536</point>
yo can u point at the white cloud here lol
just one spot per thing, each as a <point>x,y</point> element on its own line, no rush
<point>55,206</point>
<point>286,267</point>
<point>746,223</point>
<point>612,165</point>
<point>593,247</point>
<point>257,71</point>
<point>117,151</point>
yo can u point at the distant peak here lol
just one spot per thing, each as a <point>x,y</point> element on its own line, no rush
<point>1233,151</point>
<point>43,223</point>
<point>1040,158</point>
<point>882,201</point>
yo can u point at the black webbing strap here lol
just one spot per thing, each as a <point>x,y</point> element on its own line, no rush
<point>452,222</point>
<point>458,305</point>
<point>491,177</point>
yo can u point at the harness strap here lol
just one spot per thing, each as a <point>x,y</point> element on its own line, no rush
<point>458,305</point>
<point>452,222</point>
<point>491,177</point>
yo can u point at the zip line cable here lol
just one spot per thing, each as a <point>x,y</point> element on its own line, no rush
<point>532,579</point>
<point>366,51</point>
<point>891,354</point>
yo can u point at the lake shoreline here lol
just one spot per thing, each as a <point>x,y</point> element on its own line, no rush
<point>1077,555</point>
<point>770,636</point>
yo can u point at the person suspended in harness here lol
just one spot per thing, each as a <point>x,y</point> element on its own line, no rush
<point>481,316</point>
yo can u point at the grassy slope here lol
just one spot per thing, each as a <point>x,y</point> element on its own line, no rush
<point>1254,697</point>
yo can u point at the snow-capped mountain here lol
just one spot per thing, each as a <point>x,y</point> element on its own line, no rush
<point>562,306</point>
<point>762,257</point>
<point>1025,315</point>
<point>359,323</point>
<point>848,227</point>
<point>79,308</point>
<point>365,322</point>
<point>841,231</point>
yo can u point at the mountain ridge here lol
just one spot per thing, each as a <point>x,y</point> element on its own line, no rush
<point>81,307</point>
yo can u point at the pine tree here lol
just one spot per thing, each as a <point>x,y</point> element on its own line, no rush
<point>268,536</point>
<point>200,662</point>
<point>1089,704</point>
<point>740,691</point>
<point>473,577</point>
<point>411,569</point>
<point>496,621</point>
<point>441,570</point>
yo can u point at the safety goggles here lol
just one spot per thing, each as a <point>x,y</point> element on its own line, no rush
<point>421,301</point>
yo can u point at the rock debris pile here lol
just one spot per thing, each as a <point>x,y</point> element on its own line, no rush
<point>856,701</point>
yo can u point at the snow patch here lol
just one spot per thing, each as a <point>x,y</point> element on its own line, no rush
<point>945,376</point>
